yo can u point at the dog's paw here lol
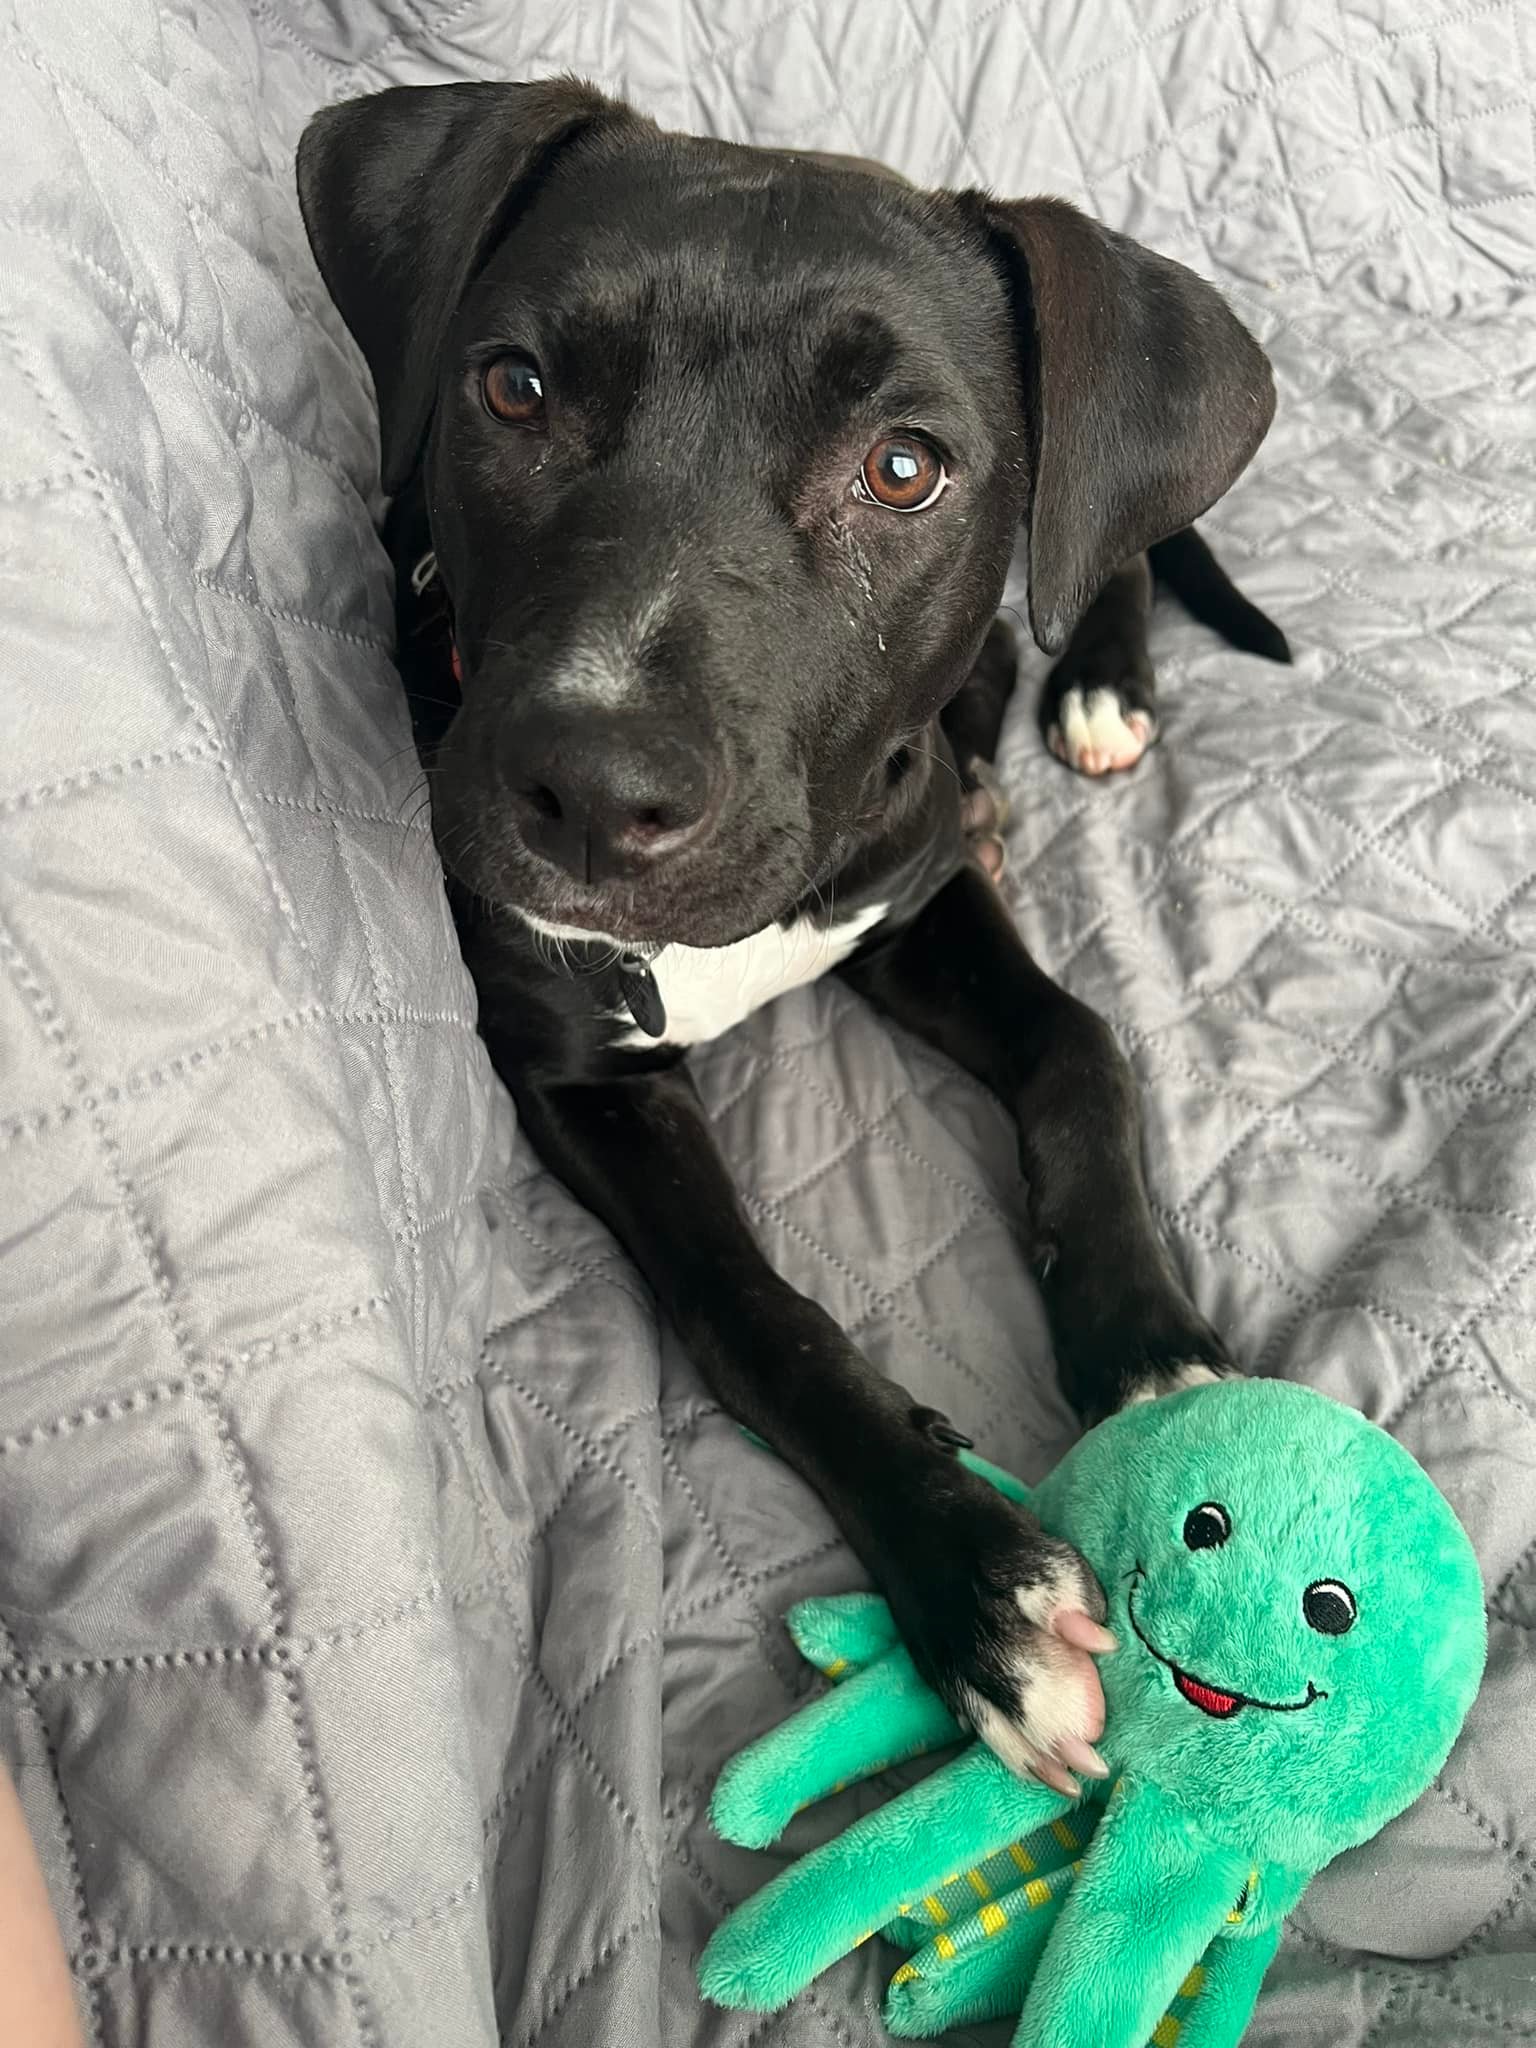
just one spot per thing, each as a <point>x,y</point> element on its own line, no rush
<point>984,817</point>
<point>1161,1381</point>
<point>1039,1706</point>
<point>1005,1622</point>
<point>1099,729</point>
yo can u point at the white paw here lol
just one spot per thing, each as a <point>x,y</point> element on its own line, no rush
<point>1060,1713</point>
<point>1172,1382</point>
<point>1052,1736</point>
<point>1095,733</point>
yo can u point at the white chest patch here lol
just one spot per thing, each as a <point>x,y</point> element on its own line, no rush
<point>706,990</point>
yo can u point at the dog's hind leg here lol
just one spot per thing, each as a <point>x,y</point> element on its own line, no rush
<point>1098,709</point>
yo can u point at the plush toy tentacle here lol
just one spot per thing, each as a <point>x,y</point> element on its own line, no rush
<point>778,1941</point>
<point>980,1968</point>
<point>1013,1489</point>
<point>884,1715</point>
<point>1149,1897</point>
<point>1227,1989</point>
<point>843,1633</point>
<point>953,1910</point>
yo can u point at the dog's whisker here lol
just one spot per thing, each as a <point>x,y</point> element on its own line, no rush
<point>913,748</point>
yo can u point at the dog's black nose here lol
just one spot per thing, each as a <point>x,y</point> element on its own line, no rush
<point>607,797</point>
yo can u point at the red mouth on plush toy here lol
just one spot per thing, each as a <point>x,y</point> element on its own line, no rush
<point>1221,1706</point>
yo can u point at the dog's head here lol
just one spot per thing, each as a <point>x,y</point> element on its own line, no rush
<point>724,454</point>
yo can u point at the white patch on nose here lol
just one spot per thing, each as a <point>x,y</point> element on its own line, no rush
<point>601,674</point>
<point>604,668</point>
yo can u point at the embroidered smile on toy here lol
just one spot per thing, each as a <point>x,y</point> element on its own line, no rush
<point>1329,1606</point>
<point>1301,1626</point>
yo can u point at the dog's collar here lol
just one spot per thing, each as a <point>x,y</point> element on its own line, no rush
<point>630,966</point>
<point>637,985</point>
<point>637,982</point>
<point>422,579</point>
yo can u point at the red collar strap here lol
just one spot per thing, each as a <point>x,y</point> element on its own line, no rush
<point>423,576</point>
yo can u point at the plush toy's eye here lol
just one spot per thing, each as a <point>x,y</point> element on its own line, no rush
<point>1329,1607</point>
<point>1208,1526</point>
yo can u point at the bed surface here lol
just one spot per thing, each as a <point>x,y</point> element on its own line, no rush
<point>379,1589</point>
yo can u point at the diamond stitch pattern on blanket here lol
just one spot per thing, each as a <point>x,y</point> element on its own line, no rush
<point>379,1587</point>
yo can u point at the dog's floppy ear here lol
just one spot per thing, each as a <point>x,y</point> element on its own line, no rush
<point>1146,398</point>
<point>404,194</point>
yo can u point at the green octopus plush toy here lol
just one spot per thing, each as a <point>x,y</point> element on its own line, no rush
<point>1301,1630</point>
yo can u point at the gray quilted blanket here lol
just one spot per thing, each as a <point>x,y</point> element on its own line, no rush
<point>379,1589</point>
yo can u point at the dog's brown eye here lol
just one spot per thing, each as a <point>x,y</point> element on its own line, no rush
<point>514,391</point>
<point>902,473</point>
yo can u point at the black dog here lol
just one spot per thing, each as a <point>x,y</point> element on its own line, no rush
<point>708,464</point>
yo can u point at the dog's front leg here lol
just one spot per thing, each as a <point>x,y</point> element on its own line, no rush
<point>958,974</point>
<point>999,1617</point>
